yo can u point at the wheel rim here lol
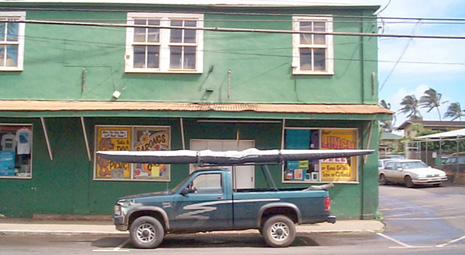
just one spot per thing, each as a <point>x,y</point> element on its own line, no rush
<point>279,231</point>
<point>146,233</point>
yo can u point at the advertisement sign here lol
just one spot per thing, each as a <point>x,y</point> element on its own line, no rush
<point>338,169</point>
<point>113,139</point>
<point>151,139</point>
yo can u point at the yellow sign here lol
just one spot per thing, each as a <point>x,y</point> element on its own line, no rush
<point>151,139</point>
<point>339,169</point>
<point>113,139</point>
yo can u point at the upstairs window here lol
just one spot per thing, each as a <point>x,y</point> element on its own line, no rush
<point>312,52</point>
<point>11,41</point>
<point>164,43</point>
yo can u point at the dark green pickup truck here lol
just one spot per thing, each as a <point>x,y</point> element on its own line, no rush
<point>206,201</point>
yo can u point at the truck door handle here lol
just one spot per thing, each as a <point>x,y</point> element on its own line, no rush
<point>219,197</point>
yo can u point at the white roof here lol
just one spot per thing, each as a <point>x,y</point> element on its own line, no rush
<point>460,133</point>
<point>279,3</point>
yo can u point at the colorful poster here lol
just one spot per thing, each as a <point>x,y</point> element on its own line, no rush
<point>113,139</point>
<point>152,139</point>
<point>338,169</point>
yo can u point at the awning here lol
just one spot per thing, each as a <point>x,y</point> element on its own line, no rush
<point>25,108</point>
<point>455,134</point>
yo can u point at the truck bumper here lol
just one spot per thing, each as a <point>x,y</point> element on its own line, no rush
<point>331,219</point>
<point>119,223</point>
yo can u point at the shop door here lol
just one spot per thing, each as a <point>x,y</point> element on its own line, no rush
<point>245,175</point>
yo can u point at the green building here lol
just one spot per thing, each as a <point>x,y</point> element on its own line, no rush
<point>82,76</point>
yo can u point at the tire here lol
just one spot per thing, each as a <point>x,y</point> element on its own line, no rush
<point>279,231</point>
<point>146,232</point>
<point>382,179</point>
<point>408,182</point>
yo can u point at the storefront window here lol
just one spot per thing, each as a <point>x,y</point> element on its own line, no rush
<point>328,170</point>
<point>136,138</point>
<point>16,151</point>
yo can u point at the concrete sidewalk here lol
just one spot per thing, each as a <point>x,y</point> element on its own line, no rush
<point>10,226</point>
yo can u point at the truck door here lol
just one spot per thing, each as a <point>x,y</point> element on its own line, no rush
<point>205,206</point>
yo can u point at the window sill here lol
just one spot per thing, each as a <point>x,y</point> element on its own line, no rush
<point>152,71</point>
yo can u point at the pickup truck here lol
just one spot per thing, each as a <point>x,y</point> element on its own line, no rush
<point>206,201</point>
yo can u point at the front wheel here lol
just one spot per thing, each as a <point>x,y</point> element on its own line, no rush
<point>408,182</point>
<point>146,232</point>
<point>279,231</point>
<point>382,179</point>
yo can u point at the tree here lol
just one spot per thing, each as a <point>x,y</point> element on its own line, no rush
<point>454,111</point>
<point>387,125</point>
<point>410,103</point>
<point>431,100</point>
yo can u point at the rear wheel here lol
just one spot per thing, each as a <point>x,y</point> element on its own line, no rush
<point>408,182</point>
<point>278,231</point>
<point>382,179</point>
<point>146,232</point>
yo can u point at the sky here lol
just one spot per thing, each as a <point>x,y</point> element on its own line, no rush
<point>411,66</point>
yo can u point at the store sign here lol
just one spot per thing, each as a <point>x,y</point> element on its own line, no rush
<point>127,138</point>
<point>338,169</point>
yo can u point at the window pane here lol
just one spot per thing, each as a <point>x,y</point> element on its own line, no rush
<point>189,35</point>
<point>139,32</point>
<point>2,31</point>
<point>189,57</point>
<point>16,153</point>
<point>139,56</point>
<point>320,60</point>
<point>319,27</point>
<point>12,32</point>
<point>2,55</point>
<point>176,34</point>
<point>175,57</point>
<point>153,58</point>
<point>305,38</point>
<point>154,33</point>
<point>12,55</point>
<point>305,59</point>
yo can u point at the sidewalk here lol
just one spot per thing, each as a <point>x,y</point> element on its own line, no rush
<point>52,227</point>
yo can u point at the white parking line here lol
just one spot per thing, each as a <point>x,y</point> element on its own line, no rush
<point>395,241</point>
<point>118,248</point>
<point>451,242</point>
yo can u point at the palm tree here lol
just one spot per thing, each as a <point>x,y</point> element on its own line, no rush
<point>387,125</point>
<point>431,99</point>
<point>454,111</point>
<point>411,106</point>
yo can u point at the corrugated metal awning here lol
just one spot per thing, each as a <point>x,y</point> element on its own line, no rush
<point>60,106</point>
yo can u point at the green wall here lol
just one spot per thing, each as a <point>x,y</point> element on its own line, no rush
<point>260,63</point>
<point>65,184</point>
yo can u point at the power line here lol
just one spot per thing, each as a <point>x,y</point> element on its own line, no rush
<point>243,30</point>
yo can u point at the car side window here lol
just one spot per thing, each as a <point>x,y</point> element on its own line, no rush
<point>207,184</point>
<point>388,166</point>
<point>398,166</point>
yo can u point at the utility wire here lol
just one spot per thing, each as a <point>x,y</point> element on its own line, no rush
<point>248,30</point>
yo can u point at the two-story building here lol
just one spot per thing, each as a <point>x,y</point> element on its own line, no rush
<point>81,76</point>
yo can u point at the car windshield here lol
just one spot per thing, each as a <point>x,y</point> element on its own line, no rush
<point>413,165</point>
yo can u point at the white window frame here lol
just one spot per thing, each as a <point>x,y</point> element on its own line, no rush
<point>21,30</point>
<point>328,46</point>
<point>164,44</point>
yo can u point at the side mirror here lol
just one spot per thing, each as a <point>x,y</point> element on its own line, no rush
<point>184,191</point>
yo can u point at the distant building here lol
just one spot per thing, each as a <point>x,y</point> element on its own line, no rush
<point>389,142</point>
<point>434,125</point>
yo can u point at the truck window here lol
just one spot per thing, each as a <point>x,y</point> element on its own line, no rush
<point>208,184</point>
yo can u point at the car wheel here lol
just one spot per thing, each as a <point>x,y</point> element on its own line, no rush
<point>382,179</point>
<point>279,231</point>
<point>408,181</point>
<point>146,232</point>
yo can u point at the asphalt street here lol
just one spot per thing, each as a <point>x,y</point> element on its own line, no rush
<point>427,220</point>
